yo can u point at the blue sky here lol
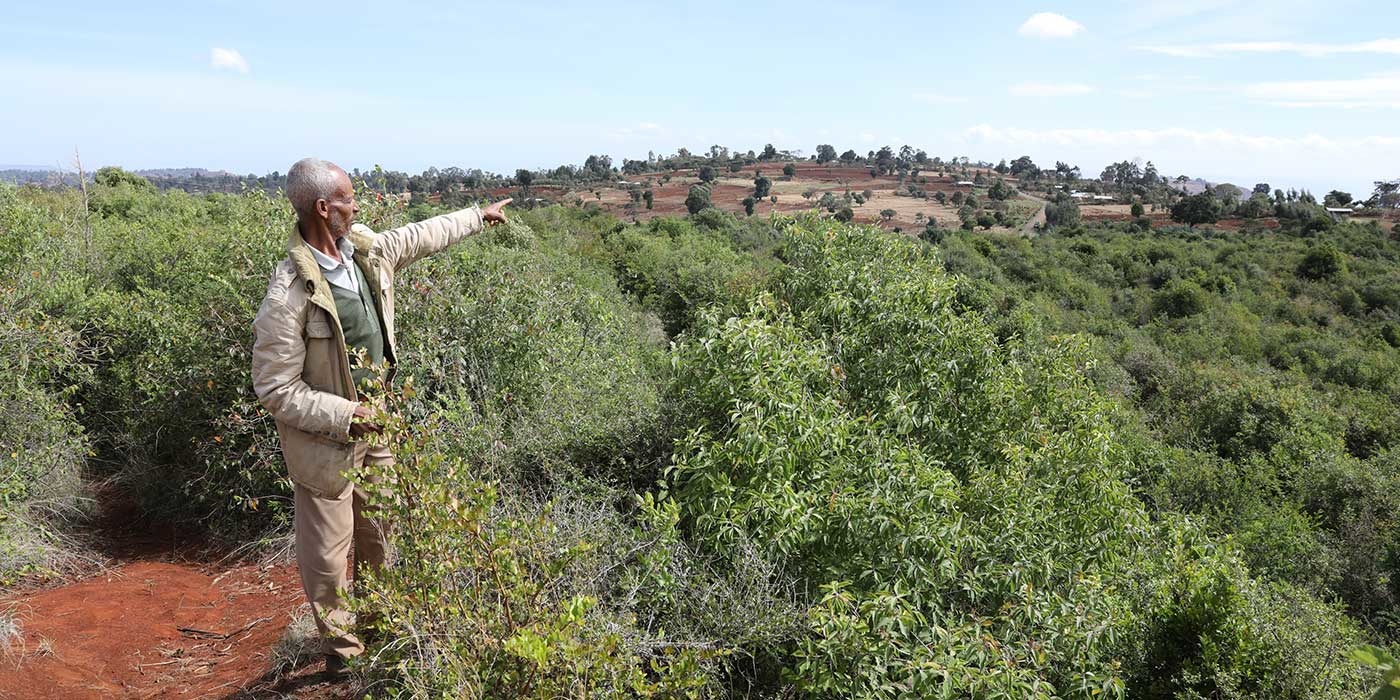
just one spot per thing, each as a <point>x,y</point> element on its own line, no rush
<point>1295,93</point>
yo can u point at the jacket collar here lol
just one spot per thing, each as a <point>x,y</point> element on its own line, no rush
<point>308,270</point>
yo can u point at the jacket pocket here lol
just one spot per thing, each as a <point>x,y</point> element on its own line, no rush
<point>316,462</point>
<point>321,370</point>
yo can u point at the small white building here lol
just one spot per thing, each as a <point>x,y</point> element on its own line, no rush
<point>964,183</point>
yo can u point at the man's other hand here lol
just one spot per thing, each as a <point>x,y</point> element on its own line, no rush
<point>361,425</point>
<point>495,213</point>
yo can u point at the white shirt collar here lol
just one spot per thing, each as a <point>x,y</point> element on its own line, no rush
<point>340,273</point>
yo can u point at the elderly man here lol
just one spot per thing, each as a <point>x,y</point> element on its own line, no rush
<point>332,297</point>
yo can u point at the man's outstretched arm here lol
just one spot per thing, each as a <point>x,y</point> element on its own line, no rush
<point>402,246</point>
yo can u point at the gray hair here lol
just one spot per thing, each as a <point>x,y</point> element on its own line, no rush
<point>310,179</point>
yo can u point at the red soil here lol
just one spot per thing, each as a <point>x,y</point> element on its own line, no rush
<point>159,624</point>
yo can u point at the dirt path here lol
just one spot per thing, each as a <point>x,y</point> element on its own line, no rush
<point>1028,229</point>
<point>158,624</point>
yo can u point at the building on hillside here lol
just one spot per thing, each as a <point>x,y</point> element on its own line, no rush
<point>1092,198</point>
<point>1339,213</point>
<point>964,183</point>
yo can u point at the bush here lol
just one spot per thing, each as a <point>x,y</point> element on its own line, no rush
<point>1062,214</point>
<point>944,554</point>
<point>1322,262</point>
<point>42,446</point>
<point>676,276</point>
<point>697,199</point>
<point>1180,298</point>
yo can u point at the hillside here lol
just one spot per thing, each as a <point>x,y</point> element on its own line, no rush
<point>721,455</point>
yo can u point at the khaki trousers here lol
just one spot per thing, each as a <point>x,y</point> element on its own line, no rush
<point>325,529</point>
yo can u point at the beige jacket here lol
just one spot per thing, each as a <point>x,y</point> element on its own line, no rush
<point>301,371</point>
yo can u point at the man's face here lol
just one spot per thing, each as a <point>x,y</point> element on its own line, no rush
<point>341,207</point>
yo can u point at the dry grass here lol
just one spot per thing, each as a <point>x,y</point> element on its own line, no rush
<point>299,646</point>
<point>11,631</point>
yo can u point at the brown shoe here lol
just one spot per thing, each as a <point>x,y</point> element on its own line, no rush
<point>336,666</point>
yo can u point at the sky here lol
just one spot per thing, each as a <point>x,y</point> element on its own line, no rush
<point>1303,94</point>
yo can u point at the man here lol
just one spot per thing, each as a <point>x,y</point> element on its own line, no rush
<point>335,290</point>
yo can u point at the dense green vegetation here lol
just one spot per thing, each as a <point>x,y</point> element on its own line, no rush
<point>716,457</point>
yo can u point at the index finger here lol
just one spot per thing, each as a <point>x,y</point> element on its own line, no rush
<point>505,201</point>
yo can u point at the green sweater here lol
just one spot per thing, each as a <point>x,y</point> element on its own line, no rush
<point>359,321</point>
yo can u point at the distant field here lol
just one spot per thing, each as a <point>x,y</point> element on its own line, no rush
<point>729,190</point>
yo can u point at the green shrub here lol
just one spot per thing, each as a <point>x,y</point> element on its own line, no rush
<point>42,446</point>
<point>1180,298</point>
<point>677,275</point>
<point>1322,262</point>
<point>539,348</point>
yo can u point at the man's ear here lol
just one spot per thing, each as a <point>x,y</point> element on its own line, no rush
<point>323,208</point>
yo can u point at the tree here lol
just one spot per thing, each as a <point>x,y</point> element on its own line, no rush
<point>1196,209</point>
<point>1136,209</point>
<point>931,233</point>
<point>761,186</point>
<point>648,196</point>
<point>112,176</point>
<point>1062,212</point>
<point>697,199</point>
<point>1262,188</point>
<point>1255,207</point>
<point>1024,166</point>
<point>748,205</point>
<point>706,174</point>
<point>524,178</point>
<point>884,160</point>
<point>1322,262</point>
<point>1337,198</point>
<point>598,167</point>
<point>940,197</point>
<point>769,152</point>
<point>826,153</point>
<point>849,157</point>
<point>1386,195</point>
<point>844,215</point>
<point>789,170</point>
<point>1180,298</point>
<point>1000,191</point>
<point>1002,167</point>
<point>887,214</point>
<point>985,220</point>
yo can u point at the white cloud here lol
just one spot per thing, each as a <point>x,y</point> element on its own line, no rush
<point>1382,90</point>
<point>228,58</point>
<point>1034,89</point>
<point>1048,25</point>
<point>1311,50</point>
<point>938,98</point>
